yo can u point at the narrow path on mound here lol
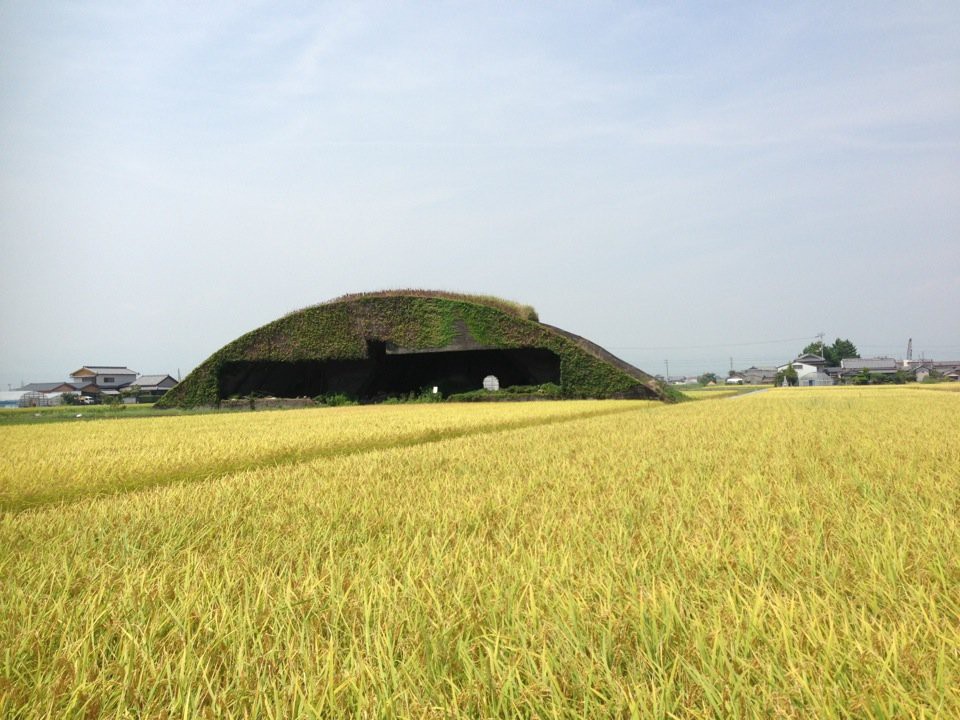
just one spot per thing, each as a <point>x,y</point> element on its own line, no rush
<point>197,474</point>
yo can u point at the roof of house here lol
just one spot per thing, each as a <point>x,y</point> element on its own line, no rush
<point>869,364</point>
<point>798,361</point>
<point>47,387</point>
<point>152,380</point>
<point>810,358</point>
<point>104,369</point>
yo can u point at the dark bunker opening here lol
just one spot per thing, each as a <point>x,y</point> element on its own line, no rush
<point>385,373</point>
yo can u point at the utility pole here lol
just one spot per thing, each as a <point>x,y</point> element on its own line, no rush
<point>667,363</point>
<point>910,349</point>
<point>820,335</point>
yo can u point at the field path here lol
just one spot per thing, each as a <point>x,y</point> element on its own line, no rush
<point>752,392</point>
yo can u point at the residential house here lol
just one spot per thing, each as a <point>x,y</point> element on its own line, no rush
<point>810,370</point>
<point>49,387</point>
<point>154,384</point>
<point>948,369</point>
<point>103,376</point>
<point>149,388</point>
<point>759,375</point>
<point>849,367</point>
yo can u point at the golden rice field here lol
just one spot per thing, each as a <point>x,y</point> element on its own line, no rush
<point>793,553</point>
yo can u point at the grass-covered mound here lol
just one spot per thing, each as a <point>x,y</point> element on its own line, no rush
<point>417,320</point>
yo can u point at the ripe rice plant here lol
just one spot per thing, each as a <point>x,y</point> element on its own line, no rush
<point>42,464</point>
<point>793,553</point>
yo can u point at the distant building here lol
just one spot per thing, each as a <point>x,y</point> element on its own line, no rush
<point>808,365</point>
<point>49,387</point>
<point>103,376</point>
<point>878,364</point>
<point>154,384</point>
<point>850,367</point>
<point>923,370</point>
<point>812,370</point>
<point>92,382</point>
<point>759,375</point>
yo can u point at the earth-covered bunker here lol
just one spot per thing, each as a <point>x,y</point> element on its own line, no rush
<point>373,346</point>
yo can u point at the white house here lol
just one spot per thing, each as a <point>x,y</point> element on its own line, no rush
<point>810,370</point>
<point>806,364</point>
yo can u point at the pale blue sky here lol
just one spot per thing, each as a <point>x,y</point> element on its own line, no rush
<point>683,183</point>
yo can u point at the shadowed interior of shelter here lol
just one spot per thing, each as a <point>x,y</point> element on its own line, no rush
<point>389,372</point>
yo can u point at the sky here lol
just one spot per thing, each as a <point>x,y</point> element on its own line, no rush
<point>696,184</point>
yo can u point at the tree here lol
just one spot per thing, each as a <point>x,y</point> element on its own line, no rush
<point>708,378</point>
<point>863,377</point>
<point>789,374</point>
<point>843,349</point>
<point>833,354</point>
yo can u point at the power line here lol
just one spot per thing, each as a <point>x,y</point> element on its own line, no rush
<point>759,342</point>
<point>703,347</point>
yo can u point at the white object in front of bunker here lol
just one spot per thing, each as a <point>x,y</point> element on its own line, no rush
<point>491,383</point>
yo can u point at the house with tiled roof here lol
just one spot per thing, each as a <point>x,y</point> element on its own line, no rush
<point>154,383</point>
<point>105,377</point>
<point>104,381</point>
<point>810,369</point>
<point>759,375</point>
<point>875,366</point>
